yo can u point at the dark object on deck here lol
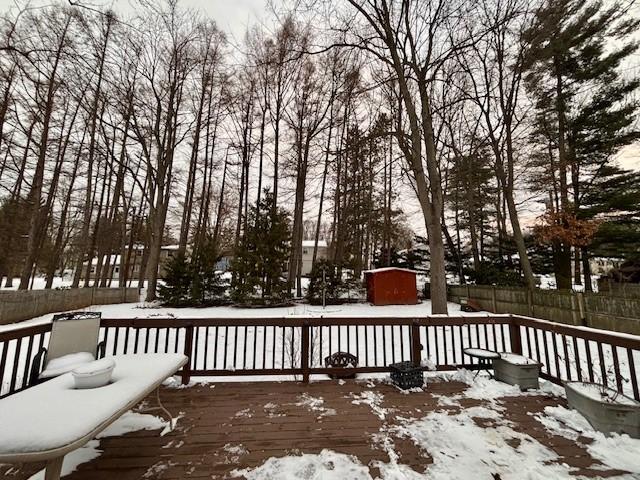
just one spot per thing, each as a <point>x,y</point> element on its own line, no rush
<point>343,360</point>
<point>468,305</point>
<point>406,375</point>
<point>391,286</point>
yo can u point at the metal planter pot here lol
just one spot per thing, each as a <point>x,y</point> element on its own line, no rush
<point>517,370</point>
<point>619,416</point>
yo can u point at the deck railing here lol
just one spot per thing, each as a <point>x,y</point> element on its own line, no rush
<point>297,346</point>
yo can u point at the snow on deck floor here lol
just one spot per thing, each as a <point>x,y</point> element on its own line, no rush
<point>456,427</point>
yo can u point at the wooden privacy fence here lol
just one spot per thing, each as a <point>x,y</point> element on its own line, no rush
<point>597,310</point>
<point>18,305</point>
<point>298,346</point>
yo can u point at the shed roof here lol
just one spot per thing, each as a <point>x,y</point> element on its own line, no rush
<point>389,269</point>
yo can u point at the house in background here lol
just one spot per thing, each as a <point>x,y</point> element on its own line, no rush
<point>307,254</point>
<point>114,263</point>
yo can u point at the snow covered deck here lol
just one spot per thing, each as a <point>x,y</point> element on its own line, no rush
<point>364,429</point>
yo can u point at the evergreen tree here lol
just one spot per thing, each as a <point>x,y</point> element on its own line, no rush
<point>581,119</point>
<point>206,285</point>
<point>324,278</point>
<point>472,194</point>
<point>193,280</point>
<point>176,287</point>
<point>260,263</point>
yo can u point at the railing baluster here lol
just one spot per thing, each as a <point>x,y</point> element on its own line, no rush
<point>616,367</point>
<point>528,340</point>
<point>537,345</point>
<point>366,344</point>
<point>444,345</point>
<point>235,347</point>
<point>632,372</point>
<point>206,346</point>
<point>555,354</point>
<point>147,331</point>
<point>567,364</point>
<point>587,347</point>
<point>215,348</point>
<point>603,371</point>
<point>16,361</point>
<point>546,351</point>
<point>384,346</point>
<point>3,364</point>
<point>375,345</point>
<point>577,355</point>
<point>157,342</point>
<point>27,364</point>
<point>225,362</point>
<point>115,342</point>
<point>255,344</point>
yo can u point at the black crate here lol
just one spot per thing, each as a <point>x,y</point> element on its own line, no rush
<point>406,375</point>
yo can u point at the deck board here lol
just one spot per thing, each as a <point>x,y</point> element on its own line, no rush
<point>268,420</point>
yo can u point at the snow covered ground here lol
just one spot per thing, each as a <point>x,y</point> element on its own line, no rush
<point>145,310</point>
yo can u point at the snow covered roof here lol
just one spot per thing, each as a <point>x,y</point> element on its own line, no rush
<point>312,243</point>
<point>388,269</point>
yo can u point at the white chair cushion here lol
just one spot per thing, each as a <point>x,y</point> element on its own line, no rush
<point>66,363</point>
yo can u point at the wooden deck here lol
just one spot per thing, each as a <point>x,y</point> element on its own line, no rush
<point>277,419</point>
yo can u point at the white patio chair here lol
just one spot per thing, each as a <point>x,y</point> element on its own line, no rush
<point>73,342</point>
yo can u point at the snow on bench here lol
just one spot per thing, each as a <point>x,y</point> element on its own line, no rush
<point>49,420</point>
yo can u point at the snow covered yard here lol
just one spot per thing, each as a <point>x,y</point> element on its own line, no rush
<point>145,310</point>
<point>455,428</point>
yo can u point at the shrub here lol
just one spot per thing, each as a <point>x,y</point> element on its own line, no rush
<point>493,274</point>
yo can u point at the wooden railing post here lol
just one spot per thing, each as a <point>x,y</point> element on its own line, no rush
<point>304,361</point>
<point>416,346</point>
<point>515,337</point>
<point>188,349</point>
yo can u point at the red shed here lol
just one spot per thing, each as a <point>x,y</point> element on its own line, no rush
<point>391,286</point>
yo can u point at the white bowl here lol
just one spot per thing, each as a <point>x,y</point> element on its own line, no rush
<point>94,374</point>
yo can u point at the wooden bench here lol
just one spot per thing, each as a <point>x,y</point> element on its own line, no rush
<point>47,421</point>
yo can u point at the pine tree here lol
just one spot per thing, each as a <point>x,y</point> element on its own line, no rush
<point>207,286</point>
<point>472,192</point>
<point>574,77</point>
<point>176,286</point>
<point>260,263</point>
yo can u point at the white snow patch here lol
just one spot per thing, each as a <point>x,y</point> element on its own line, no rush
<point>314,404</point>
<point>462,449</point>
<point>327,465</point>
<point>235,452</point>
<point>616,451</point>
<point>245,413</point>
<point>484,388</point>
<point>373,399</point>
